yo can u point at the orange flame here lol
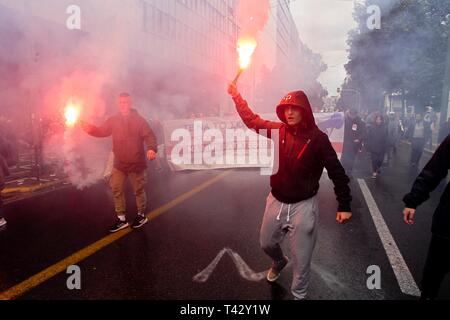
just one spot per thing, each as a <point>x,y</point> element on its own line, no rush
<point>246,47</point>
<point>71,113</point>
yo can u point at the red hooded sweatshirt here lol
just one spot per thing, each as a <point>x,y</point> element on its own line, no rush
<point>304,151</point>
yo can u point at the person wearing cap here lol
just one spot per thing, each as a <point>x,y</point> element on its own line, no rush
<point>292,209</point>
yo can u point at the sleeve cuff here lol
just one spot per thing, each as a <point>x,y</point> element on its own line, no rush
<point>344,208</point>
<point>408,203</point>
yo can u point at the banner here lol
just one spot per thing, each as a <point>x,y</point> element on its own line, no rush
<point>225,142</point>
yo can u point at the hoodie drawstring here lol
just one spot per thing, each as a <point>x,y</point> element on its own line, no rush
<point>281,210</point>
<point>279,213</point>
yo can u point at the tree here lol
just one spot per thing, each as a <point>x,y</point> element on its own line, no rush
<point>405,56</point>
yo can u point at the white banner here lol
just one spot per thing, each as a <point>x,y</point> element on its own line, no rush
<point>217,143</point>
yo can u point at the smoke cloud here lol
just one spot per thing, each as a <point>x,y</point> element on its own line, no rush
<point>171,70</point>
<point>252,16</point>
<point>47,65</point>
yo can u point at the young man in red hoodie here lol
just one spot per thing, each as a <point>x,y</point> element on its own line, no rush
<point>292,205</point>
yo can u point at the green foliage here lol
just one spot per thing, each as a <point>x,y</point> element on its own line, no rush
<point>406,55</point>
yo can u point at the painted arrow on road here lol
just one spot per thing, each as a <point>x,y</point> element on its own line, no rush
<point>244,270</point>
<point>247,273</point>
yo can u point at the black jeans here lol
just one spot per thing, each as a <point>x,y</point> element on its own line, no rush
<point>377,160</point>
<point>348,159</point>
<point>436,267</point>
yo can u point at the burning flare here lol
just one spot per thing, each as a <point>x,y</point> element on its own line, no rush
<point>246,47</point>
<point>71,113</point>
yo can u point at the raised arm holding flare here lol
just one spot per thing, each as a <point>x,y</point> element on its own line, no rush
<point>292,205</point>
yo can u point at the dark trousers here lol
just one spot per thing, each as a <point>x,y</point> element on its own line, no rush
<point>417,147</point>
<point>391,151</point>
<point>348,159</point>
<point>377,160</point>
<point>436,267</point>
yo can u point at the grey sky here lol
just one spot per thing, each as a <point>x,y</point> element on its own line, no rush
<point>323,25</point>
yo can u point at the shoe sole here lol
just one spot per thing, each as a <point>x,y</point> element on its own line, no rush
<point>121,228</point>
<point>273,279</point>
<point>279,273</point>
<point>140,225</point>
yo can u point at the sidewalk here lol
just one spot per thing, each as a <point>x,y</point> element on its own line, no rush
<point>23,182</point>
<point>24,188</point>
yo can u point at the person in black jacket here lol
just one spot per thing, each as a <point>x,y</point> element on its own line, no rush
<point>437,264</point>
<point>292,206</point>
<point>376,143</point>
<point>354,131</point>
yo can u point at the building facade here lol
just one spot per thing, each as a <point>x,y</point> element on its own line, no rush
<point>197,36</point>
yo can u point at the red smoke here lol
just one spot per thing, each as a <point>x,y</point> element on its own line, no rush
<point>252,16</point>
<point>84,87</point>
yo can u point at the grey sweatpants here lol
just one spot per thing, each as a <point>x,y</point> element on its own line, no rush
<point>299,222</point>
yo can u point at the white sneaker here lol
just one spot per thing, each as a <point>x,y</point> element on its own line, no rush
<point>2,221</point>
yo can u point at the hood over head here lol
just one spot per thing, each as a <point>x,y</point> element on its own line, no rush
<point>298,99</point>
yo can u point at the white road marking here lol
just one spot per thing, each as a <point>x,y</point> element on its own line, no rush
<point>404,277</point>
<point>328,278</point>
<point>244,270</point>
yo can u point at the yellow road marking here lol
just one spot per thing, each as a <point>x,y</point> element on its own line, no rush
<point>46,274</point>
<point>32,188</point>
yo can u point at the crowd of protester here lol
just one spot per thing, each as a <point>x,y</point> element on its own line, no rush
<point>379,133</point>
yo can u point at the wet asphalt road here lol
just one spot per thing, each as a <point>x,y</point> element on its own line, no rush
<point>160,260</point>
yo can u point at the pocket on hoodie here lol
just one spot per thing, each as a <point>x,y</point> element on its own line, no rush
<point>303,181</point>
<point>302,169</point>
